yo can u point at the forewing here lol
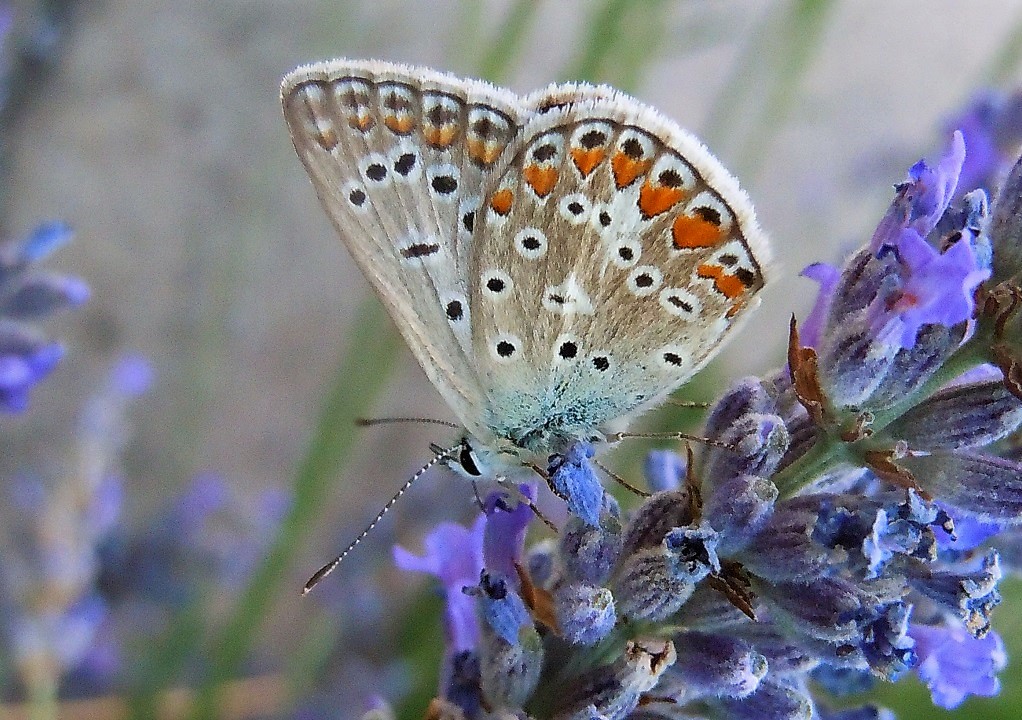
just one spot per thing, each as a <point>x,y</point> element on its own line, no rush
<point>398,156</point>
<point>613,256</point>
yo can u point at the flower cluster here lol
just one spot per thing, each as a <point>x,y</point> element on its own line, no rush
<point>841,526</point>
<point>27,295</point>
<point>51,563</point>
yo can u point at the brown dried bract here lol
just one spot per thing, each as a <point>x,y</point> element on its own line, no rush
<point>539,601</point>
<point>441,709</point>
<point>733,583</point>
<point>1010,368</point>
<point>882,463</point>
<point>805,375</point>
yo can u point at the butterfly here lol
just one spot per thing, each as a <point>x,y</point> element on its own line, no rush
<point>558,263</point>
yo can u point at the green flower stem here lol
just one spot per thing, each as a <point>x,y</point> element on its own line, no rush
<point>43,701</point>
<point>831,452</point>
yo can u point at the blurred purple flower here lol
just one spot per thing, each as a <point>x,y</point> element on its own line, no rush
<point>27,295</point>
<point>955,665</point>
<point>454,555</point>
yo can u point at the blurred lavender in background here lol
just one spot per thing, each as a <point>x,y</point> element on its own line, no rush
<point>168,584</point>
<point>28,295</point>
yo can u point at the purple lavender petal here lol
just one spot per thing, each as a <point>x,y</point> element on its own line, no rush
<point>504,536</point>
<point>811,329</point>
<point>955,665</point>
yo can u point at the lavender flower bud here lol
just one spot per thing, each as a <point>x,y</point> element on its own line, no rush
<point>784,548</point>
<point>738,509</point>
<point>717,666</point>
<point>981,485</point>
<point>653,583</point>
<point>772,700</point>
<point>965,416</point>
<point>502,609</point>
<point>573,479</point>
<point>758,441</point>
<point>854,362</point>
<point>913,366</point>
<point>968,592</point>
<point>1006,227</point>
<point>509,672</point>
<point>585,613</point>
<point>743,398</point>
<point>611,692</point>
<point>654,519</point>
<point>589,552</point>
<point>709,610</point>
<point>862,276</point>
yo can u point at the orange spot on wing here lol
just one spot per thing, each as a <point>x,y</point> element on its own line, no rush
<point>735,308</point>
<point>656,199</point>
<point>440,136</point>
<point>501,201</point>
<point>626,169</point>
<point>399,125</point>
<point>540,179</point>
<point>327,138</point>
<point>362,122</point>
<point>729,285</point>
<point>693,232</point>
<point>483,152</point>
<point>587,160</point>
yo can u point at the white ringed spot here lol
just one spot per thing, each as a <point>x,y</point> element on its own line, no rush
<point>681,302</point>
<point>357,198</point>
<point>505,348</point>
<point>566,348</point>
<point>644,280</point>
<point>531,243</point>
<point>375,170</point>
<point>625,253</point>
<point>709,207</point>
<point>675,358</point>
<point>575,208</point>
<point>496,284</point>
<point>443,181</point>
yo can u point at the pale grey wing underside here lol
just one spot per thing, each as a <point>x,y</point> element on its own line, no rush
<point>613,256</point>
<point>398,156</point>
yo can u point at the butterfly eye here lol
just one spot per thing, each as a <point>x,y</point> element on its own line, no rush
<point>466,458</point>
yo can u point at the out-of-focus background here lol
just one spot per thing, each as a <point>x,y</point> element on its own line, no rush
<point>154,129</point>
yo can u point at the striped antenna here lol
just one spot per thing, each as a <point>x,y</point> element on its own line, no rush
<point>441,454</point>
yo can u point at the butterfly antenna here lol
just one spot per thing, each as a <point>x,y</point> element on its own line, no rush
<point>672,436</point>
<point>621,481</point>
<point>368,422</point>
<point>695,404</point>
<point>332,565</point>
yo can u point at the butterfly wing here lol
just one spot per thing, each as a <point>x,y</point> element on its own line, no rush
<point>398,156</point>
<point>613,256</point>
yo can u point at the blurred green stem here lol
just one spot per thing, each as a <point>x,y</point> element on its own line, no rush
<point>43,700</point>
<point>761,88</point>
<point>372,348</point>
